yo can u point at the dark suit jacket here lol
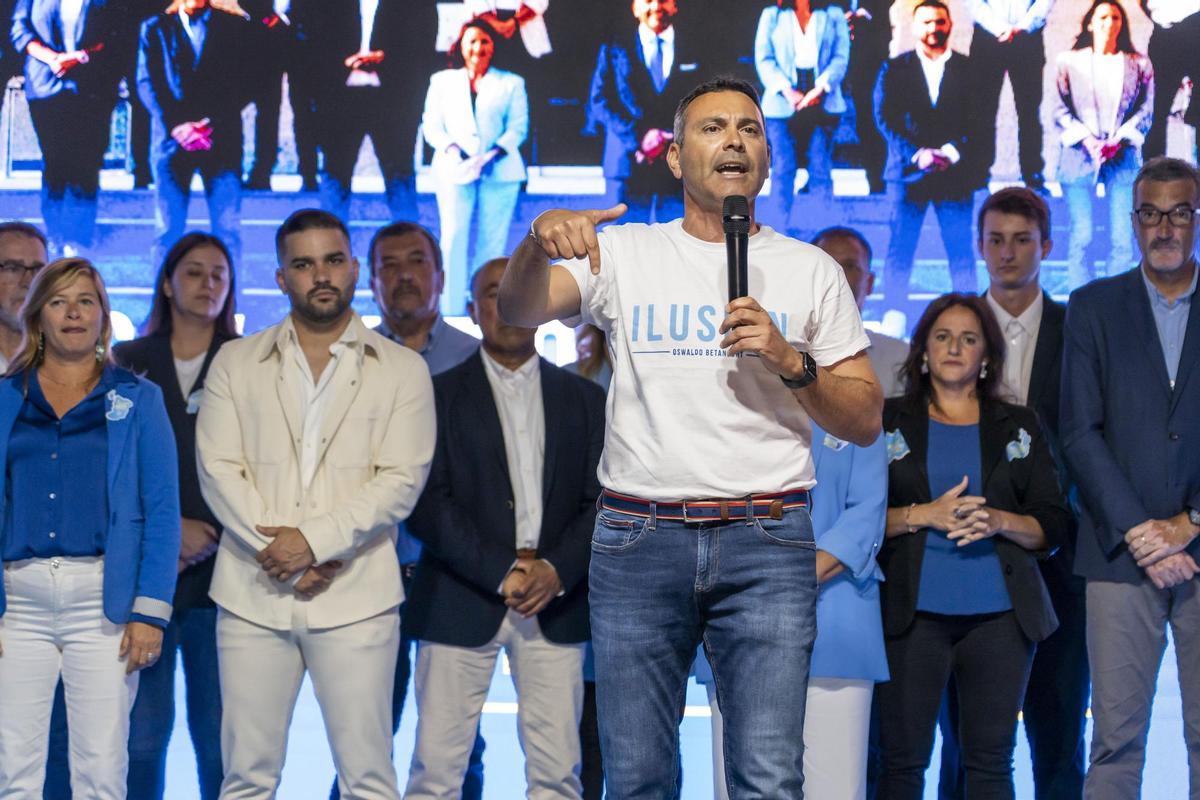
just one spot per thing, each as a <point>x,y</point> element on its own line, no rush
<point>151,357</point>
<point>175,89</point>
<point>623,99</point>
<point>1130,440</point>
<point>908,121</point>
<point>107,31</point>
<point>465,515</point>
<point>1027,485</point>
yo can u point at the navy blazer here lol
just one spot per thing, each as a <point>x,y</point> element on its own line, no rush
<point>623,99</point>
<point>1132,442</point>
<point>465,516</point>
<point>176,89</point>
<point>909,121</point>
<point>106,33</point>
<point>1024,484</point>
<point>151,357</point>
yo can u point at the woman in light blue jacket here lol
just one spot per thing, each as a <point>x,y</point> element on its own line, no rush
<point>849,509</point>
<point>801,54</point>
<point>89,503</point>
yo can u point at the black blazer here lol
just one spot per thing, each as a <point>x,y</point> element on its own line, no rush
<point>465,515</point>
<point>176,89</point>
<point>1026,485</point>
<point>151,357</point>
<point>909,121</point>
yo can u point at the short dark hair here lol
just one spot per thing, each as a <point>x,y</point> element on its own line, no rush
<point>19,228</point>
<point>918,382</point>
<point>1124,39</point>
<point>455,53</point>
<point>1020,201</point>
<point>308,219</point>
<point>843,232</point>
<point>721,83</point>
<point>400,229</point>
<point>931,4</point>
<point>159,321</point>
<point>1165,170</point>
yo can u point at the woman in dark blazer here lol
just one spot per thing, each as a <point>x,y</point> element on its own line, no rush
<point>973,501</point>
<point>192,315</point>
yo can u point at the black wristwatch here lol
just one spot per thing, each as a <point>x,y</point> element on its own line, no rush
<point>807,377</point>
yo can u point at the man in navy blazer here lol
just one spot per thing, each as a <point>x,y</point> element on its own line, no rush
<point>1130,430</point>
<point>190,79</point>
<point>641,75</point>
<point>506,521</point>
<point>924,104</point>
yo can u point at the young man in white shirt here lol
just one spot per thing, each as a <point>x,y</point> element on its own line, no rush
<point>704,533</point>
<point>314,440</point>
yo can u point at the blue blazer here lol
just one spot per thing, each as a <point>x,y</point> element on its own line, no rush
<point>141,548</point>
<point>1130,441</point>
<point>849,508</point>
<point>106,31</point>
<point>775,58</point>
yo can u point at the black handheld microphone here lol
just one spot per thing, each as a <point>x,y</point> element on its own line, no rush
<point>735,219</point>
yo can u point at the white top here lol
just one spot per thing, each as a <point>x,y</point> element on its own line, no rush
<point>1020,340</point>
<point>648,36</point>
<point>69,11</point>
<point>1166,13</point>
<point>934,69</point>
<point>1108,72</point>
<point>518,396</point>
<point>684,420</point>
<point>366,12</point>
<point>996,16</point>
<point>187,370</point>
<point>807,41</point>
<point>317,393</point>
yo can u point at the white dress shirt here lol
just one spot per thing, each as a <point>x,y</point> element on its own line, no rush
<point>1020,340</point>
<point>518,396</point>
<point>934,70</point>
<point>69,11</point>
<point>367,10</point>
<point>317,392</point>
<point>807,41</point>
<point>197,30</point>
<point>647,38</point>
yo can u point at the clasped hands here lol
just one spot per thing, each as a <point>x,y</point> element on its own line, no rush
<point>965,518</point>
<point>530,586</point>
<point>654,143</point>
<point>803,100</point>
<point>1157,545</point>
<point>288,555</point>
<point>933,159</point>
<point>193,136</point>
<point>1102,150</point>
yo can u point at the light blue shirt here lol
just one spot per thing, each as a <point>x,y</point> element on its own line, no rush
<point>1171,320</point>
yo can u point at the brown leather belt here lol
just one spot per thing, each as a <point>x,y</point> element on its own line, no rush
<point>763,506</point>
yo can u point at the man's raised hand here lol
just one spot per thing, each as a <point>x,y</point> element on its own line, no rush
<point>572,234</point>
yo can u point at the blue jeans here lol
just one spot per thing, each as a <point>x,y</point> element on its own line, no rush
<point>193,633</point>
<point>1118,195</point>
<point>805,138</point>
<point>908,202</point>
<point>487,206</point>
<point>748,592</point>
<point>173,192</point>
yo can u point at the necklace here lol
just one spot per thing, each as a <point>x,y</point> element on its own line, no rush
<point>77,385</point>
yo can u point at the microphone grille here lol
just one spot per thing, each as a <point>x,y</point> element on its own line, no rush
<point>735,214</point>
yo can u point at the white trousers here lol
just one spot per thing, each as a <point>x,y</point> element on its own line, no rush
<point>352,669</point>
<point>836,725</point>
<point>451,687</point>
<point>55,626</point>
<point>485,206</point>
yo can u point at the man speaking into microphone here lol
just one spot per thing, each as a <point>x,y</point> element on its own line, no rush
<point>704,533</point>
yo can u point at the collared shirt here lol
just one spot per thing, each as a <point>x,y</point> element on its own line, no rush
<point>997,16</point>
<point>57,487</point>
<point>1020,340</point>
<point>367,10</point>
<point>197,30</point>
<point>649,45</point>
<point>1166,13</point>
<point>933,69</point>
<point>807,41</point>
<point>70,12</point>
<point>318,390</point>
<point>518,396</point>
<point>445,346</point>
<point>1171,320</point>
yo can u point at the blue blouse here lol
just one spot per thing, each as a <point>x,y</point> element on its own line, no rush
<point>958,580</point>
<point>57,476</point>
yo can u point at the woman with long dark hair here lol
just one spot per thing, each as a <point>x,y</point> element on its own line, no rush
<point>973,501</point>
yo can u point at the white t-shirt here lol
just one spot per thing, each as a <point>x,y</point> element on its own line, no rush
<point>686,421</point>
<point>187,370</point>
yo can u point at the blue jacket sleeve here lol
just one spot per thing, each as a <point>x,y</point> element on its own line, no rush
<point>606,106</point>
<point>22,31</point>
<point>857,534</point>
<point>158,485</point>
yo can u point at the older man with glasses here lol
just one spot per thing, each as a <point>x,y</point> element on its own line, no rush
<point>22,254</point>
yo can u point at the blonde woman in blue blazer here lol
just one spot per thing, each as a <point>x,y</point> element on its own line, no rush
<point>476,119</point>
<point>90,536</point>
<point>801,54</point>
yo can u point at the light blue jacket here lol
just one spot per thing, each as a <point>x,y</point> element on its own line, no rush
<point>775,58</point>
<point>141,548</point>
<point>849,508</point>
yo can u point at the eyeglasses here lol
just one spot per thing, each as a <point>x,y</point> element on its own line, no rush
<point>1180,216</point>
<point>16,269</point>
